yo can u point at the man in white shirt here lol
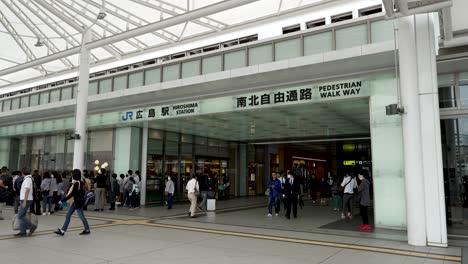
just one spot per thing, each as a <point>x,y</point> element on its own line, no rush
<point>348,183</point>
<point>169,192</point>
<point>26,199</point>
<point>192,190</point>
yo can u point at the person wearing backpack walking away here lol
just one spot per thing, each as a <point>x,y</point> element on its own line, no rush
<point>349,183</point>
<point>169,192</point>
<point>17,181</point>
<point>76,192</point>
<point>114,191</point>
<point>134,195</point>
<point>46,194</point>
<point>36,206</point>
<point>364,200</point>
<point>26,199</point>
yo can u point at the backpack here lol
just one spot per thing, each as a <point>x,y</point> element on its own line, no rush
<point>128,185</point>
<point>17,185</point>
<point>116,188</point>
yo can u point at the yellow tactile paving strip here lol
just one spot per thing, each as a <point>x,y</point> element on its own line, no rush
<point>110,222</point>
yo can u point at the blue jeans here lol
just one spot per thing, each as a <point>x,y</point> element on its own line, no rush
<point>273,200</point>
<point>80,214</point>
<point>46,204</point>
<point>169,200</point>
<point>24,222</point>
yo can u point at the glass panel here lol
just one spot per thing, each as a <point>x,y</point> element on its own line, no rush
<point>75,91</point>
<point>287,49</point>
<point>190,68</point>
<point>318,43</point>
<point>447,97</point>
<point>66,93</point>
<point>155,180</point>
<point>55,95</point>
<point>171,72</point>
<point>212,64</point>
<point>44,98</point>
<point>15,103</point>
<point>446,79</point>
<point>152,76</point>
<point>34,99</point>
<point>464,94</point>
<point>454,156</point>
<point>1,106</point>
<point>105,86</point>
<point>24,101</point>
<point>135,79</point>
<point>463,77</point>
<point>6,105</point>
<point>351,36</point>
<point>381,31</point>
<point>261,54</point>
<point>120,82</point>
<point>236,59</point>
<point>92,90</point>
<point>100,149</point>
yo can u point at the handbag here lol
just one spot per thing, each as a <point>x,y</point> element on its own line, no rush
<point>267,192</point>
<point>32,218</point>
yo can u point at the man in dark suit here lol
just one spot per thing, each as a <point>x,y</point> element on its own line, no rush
<point>292,190</point>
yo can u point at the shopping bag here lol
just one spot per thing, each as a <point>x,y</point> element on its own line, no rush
<point>32,217</point>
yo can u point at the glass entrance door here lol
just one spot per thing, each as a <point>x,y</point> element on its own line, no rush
<point>455,159</point>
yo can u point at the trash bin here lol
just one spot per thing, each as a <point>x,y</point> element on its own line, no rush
<point>211,205</point>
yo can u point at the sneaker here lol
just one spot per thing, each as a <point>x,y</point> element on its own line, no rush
<point>85,232</point>
<point>44,213</point>
<point>367,228</point>
<point>48,213</point>
<point>20,235</point>
<point>343,216</point>
<point>59,232</point>
<point>276,214</point>
<point>31,231</point>
<point>350,216</point>
<point>269,215</point>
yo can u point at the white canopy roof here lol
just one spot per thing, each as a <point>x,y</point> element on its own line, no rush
<point>33,29</point>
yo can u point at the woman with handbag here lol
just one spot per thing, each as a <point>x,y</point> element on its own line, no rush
<point>76,192</point>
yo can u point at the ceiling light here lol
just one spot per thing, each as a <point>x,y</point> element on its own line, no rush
<point>39,43</point>
<point>101,15</point>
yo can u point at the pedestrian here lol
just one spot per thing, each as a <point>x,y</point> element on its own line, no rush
<point>292,190</point>
<point>337,200</point>
<point>274,187</point>
<point>100,191</point>
<point>127,187</point>
<point>54,189</point>
<point>76,192</point>
<point>323,191</point>
<point>60,192</point>
<point>114,191</point>
<point>169,192</point>
<point>46,193</point>
<point>5,191</point>
<point>348,184</point>
<point>313,185</point>
<point>364,200</point>
<point>18,180</point>
<point>193,189</point>
<point>135,194</point>
<point>26,199</point>
<point>36,206</point>
<point>121,184</point>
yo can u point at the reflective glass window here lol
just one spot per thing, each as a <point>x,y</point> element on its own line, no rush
<point>120,82</point>
<point>105,86</point>
<point>15,103</point>
<point>67,93</point>
<point>34,99</point>
<point>55,95</point>
<point>152,76</point>
<point>44,98</point>
<point>24,101</point>
<point>135,79</point>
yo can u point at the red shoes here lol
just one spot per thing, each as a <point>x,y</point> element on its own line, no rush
<point>365,227</point>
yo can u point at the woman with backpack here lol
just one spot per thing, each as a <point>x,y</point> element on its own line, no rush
<point>76,192</point>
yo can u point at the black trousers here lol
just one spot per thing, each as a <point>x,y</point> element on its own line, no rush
<point>291,201</point>
<point>36,205</point>
<point>364,215</point>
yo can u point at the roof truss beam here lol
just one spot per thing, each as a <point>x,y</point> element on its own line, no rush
<point>209,23</point>
<point>80,28</point>
<point>108,27</point>
<point>130,19</point>
<point>12,31</point>
<point>35,30</point>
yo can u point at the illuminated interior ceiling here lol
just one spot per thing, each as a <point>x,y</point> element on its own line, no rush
<point>33,29</point>
<point>338,119</point>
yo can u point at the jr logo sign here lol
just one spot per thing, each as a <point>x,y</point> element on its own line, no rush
<point>127,116</point>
